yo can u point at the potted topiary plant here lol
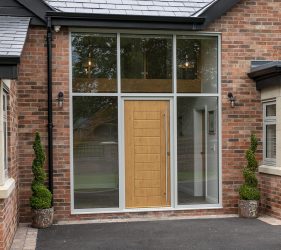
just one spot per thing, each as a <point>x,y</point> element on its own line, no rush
<point>248,192</point>
<point>41,199</point>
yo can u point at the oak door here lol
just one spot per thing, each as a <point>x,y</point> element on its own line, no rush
<point>147,154</point>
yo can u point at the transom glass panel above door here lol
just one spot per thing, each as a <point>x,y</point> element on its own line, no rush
<point>146,64</point>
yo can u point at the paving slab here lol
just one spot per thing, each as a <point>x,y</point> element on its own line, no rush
<point>25,238</point>
<point>227,233</point>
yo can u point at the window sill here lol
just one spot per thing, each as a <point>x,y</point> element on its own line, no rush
<point>7,188</point>
<point>270,170</point>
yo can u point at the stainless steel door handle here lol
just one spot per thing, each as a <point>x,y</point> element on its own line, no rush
<point>166,153</point>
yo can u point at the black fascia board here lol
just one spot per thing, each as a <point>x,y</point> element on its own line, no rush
<point>216,10</point>
<point>38,8</point>
<point>265,72</point>
<point>125,21</point>
<point>9,60</point>
<point>266,75</point>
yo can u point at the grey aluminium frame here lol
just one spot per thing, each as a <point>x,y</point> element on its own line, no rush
<point>172,97</point>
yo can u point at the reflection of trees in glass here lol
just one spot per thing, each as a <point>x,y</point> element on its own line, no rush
<point>89,113</point>
<point>146,58</point>
<point>188,53</point>
<point>93,58</point>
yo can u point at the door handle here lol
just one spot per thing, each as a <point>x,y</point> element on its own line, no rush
<point>167,153</point>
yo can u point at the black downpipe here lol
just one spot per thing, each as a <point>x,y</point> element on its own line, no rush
<point>50,103</point>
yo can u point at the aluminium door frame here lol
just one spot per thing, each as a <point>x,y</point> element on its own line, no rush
<point>173,124</point>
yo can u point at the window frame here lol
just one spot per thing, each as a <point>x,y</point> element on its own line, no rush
<point>5,133</point>
<point>171,96</point>
<point>268,120</point>
<point>4,127</point>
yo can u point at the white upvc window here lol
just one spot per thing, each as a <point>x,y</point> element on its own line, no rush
<point>3,133</point>
<point>269,133</point>
<point>6,184</point>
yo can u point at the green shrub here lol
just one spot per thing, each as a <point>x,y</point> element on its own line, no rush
<point>249,190</point>
<point>41,196</point>
<point>249,193</point>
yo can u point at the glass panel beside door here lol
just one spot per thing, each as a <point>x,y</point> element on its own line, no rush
<point>198,167</point>
<point>95,152</point>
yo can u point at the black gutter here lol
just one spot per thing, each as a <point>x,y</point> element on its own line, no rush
<point>265,71</point>
<point>50,102</point>
<point>111,17</point>
<point>266,75</point>
<point>125,21</point>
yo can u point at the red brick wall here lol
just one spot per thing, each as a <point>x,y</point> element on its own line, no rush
<point>32,101</point>
<point>33,116</point>
<point>249,32</point>
<point>270,186</point>
<point>9,215</point>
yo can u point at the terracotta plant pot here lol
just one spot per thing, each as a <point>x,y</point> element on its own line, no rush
<point>42,218</point>
<point>248,208</point>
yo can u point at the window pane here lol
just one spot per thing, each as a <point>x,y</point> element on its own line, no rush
<point>95,152</point>
<point>5,132</point>
<point>146,64</point>
<point>198,167</point>
<point>271,141</point>
<point>4,103</point>
<point>5,148</point>
<point>271,110</point>
<point>197,64</point>
<point>94,63</point>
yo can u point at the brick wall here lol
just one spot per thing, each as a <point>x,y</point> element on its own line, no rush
<point>250,31</point>
<point>9,215</point>
<point>33,115</point>
<point>32,101</point>
<point>270,187</point>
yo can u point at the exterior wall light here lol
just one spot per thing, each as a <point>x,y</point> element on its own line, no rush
<point>60,99</point>
<point>232,99</point>
<point>57,28</point>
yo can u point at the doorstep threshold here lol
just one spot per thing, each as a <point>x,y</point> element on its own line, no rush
<point>146,218</point>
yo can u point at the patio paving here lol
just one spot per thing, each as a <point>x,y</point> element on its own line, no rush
<point>226,233</point>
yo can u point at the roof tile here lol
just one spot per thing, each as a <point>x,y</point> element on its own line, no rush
<point>13,31</point>
<point>180,8</point>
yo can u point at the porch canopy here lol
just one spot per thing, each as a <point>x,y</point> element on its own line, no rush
<point>133,14</point>
<point>266,74</point>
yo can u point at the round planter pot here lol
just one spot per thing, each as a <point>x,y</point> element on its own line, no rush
<point>248,208</point>
<point>42,218</point>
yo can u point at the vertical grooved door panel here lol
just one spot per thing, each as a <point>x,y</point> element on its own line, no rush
<point>147,157</point>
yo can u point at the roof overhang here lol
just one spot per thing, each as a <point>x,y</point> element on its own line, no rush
<point>125,21</point>
<point>266,75</point>
<point>215,10</point>
<point>38,8</point>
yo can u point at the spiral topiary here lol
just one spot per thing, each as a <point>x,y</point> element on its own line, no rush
<point>41,196</point>
<point>249,190</point>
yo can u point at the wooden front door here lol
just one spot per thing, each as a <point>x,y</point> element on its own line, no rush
<point>147,157</point>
